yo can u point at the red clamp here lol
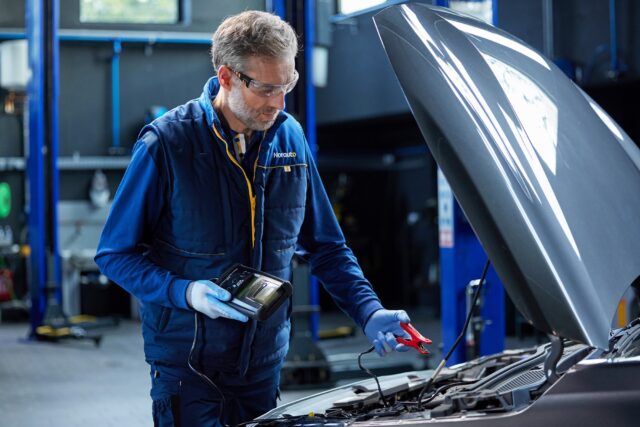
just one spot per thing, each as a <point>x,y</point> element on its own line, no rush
<point>417,341</point>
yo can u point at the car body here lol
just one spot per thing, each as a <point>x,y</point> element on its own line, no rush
<point>551,186</point>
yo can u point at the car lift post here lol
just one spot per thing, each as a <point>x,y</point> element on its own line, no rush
<point>461,262</point>
<point>48,321</point>
<point>43,88</point>
<point>302,15</point>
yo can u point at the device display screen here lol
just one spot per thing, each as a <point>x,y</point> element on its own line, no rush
<point>255,293</point>
<point>260,289</point>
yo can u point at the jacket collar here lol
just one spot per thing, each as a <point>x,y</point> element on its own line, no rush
<point>209,92</point>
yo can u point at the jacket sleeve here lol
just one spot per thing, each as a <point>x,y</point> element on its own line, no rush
<point>134,213</point>
<point>322,243</point>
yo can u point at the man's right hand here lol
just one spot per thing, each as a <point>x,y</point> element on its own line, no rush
<point>207,297</point>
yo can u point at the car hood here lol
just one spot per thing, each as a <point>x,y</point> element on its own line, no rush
<point>549,182</point>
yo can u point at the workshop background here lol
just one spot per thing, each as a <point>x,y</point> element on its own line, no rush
<point>79,78</point>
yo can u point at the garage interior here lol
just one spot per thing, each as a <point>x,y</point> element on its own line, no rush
<point>78,84</point>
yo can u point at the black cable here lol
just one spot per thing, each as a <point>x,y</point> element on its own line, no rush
<point>384,402</point>
<point>436,392</point>
<point>197,317</point>
<point>462,333</point>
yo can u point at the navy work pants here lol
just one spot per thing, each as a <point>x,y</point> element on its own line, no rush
<point>182,398</point>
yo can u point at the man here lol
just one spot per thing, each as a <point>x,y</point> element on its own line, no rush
<point>228,178</point>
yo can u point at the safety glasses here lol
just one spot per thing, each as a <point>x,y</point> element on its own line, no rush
<point>263,89</point>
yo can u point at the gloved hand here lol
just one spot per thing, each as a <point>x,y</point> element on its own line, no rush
<point>382,328</point>
<point>206,297</point>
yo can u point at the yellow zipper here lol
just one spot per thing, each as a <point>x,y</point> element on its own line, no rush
<point>255,164</point>
<point>252,198</point>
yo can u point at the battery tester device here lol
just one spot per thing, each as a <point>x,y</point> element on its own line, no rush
<point>254,293</point>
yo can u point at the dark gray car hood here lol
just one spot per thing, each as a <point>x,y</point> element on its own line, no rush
<point>549,182</point>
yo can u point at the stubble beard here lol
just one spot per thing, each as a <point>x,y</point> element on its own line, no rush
<point>244,113</point>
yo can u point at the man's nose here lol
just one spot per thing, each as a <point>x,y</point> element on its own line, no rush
<point>277,101</point>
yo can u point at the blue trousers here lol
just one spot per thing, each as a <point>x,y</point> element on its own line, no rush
<point>182,398</point>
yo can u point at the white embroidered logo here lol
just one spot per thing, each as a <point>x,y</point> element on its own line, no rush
<point>281,155</point>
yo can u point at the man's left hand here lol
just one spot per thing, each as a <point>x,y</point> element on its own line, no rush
<point>383,327</point>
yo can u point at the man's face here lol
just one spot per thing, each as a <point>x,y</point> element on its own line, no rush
<point>254,111</point>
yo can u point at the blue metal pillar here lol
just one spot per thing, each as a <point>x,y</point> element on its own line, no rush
<point>614,64</point>
<point>115,93</point>
<point>494,10</point>
<point>462,260</point>
<point>35,161</point>
<point>277,7</point>
<point>53,178</point>
<point>310,119</point>
<point>42,17</point>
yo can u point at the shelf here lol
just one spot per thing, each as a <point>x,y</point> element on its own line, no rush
<point>93,162</point>
<point>150,37</point>
<point>71,163</point>
<point>12,164</point>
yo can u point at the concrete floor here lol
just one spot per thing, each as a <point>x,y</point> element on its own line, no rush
<point>74,383</point>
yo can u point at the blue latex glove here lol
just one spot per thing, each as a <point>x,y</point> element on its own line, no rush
<point>207,297</point>
<point>382,328</point>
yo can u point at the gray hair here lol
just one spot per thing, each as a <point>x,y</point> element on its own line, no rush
<point>252,33</point>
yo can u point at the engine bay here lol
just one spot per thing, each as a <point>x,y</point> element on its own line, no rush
<point>488,385</point>
<point>493,385</point>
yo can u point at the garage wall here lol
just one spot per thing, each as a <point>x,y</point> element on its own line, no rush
<point>205,15</point>
<point>164,75</point>
<point>362,110</point>
<point>150,75</point>
<point>361,84</point>
<point>581,32</point>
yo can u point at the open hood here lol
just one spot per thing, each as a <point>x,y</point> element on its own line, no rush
<point>549,182</point>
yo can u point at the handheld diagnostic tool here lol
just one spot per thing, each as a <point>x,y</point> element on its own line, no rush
<point>254,293</point>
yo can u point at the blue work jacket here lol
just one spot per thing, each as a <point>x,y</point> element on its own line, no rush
<point>186,210</point>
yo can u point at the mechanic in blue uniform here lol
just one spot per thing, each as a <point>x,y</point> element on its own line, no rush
<point>228,178</point>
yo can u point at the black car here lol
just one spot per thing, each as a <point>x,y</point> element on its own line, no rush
<point>551,186</point>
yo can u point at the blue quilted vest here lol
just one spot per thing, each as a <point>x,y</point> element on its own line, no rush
<point>215,216</point>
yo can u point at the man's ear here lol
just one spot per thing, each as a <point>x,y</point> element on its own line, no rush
<point>224,77</point>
